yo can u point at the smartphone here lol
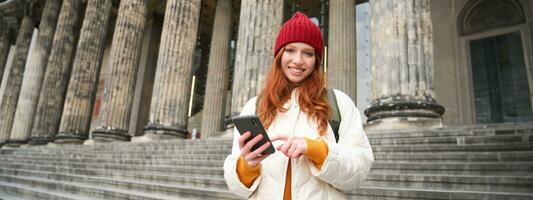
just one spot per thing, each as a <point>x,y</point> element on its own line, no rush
<point>253,124</point>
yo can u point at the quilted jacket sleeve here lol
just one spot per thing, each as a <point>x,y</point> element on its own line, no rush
<point>230,164</point>
<point>348,161</point>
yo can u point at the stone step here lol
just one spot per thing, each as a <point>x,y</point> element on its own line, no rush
<point>124,157</point>
<point>454,168</point>
<point>148,177</point>
<point>476,130</point>
<point>519,146</point>
<point>156,147</point>
<point>511,156</point>
<point>379,167</point>
<point>438,148</point>
<point>140,154</point>
<point>469,182</point>
<point>379,193</point>
<point>89,168</point>
<point>453,182</point>
<point>491,139</point>
<point>140,162</point>
<point>164,144</point>
<point>13,191</point>
<point>116,189</point>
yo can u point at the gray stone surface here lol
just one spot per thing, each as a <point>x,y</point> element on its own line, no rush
<point>423,164</point>
<point>218,71</point>
<point>54,86</point>
<point>9,99</point>
<point>4,47</point>
<point>76,116</point>
<point>342,49</point>
<point>402,66</point>
<point>257,33</point>
<point>173,77</point>
<point>117,99</point>
<point>34,74</point>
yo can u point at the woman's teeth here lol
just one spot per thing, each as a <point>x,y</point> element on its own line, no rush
<point>296,70</point>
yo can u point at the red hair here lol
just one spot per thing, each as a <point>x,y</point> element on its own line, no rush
<point>277,90</point>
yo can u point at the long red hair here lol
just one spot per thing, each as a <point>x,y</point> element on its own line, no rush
<point>311,98</point>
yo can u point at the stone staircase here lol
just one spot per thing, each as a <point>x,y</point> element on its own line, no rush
<point>471,162</point>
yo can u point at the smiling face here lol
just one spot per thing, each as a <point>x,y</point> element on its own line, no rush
<point>297,61</point>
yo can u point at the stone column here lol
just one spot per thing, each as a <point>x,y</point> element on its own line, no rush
<point>34,73</point>
<point>4,47</point>
<point>218,71</point>
<point>402,66</point>
<point>54,85</point>
<point>76,117</point>
<point>170,97</point>
<point>14,78</point>
<point>125,53</point>
<point>259,25</point>
<point>342,49</point>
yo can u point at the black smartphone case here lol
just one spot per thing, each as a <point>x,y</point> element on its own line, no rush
<point>253,124</point>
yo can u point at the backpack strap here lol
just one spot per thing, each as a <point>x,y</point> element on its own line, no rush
<point>335,120</point>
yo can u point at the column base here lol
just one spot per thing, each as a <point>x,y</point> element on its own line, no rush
<point>153,137</point>
<point>396,123</point>
<point>89,142</point>
<point>69,138</point>
<point>15,143</point>
<point>40,140</point>
<point>110,135</point>
<point>154,131</point>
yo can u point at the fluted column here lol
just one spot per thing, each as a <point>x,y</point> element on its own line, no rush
<point>342,49</point>
<point>259,25</point>
<point>14,78</point>
<point>402,66</point>
<point>34,73</point>
<point>217,71</point>
<point>4,47</point>
<point>170,97</point>
<point>117,99</point>
<point>76,117</point>
<point>52,94</point>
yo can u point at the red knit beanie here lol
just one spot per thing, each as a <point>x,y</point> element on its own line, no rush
<point>300,29</point>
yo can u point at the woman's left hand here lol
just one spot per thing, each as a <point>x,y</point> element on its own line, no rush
<point>294,146</point>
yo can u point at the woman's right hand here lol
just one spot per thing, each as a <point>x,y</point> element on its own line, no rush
<point>253,158</point>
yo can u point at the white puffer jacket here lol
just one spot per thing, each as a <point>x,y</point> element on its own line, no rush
<point>345,168</point>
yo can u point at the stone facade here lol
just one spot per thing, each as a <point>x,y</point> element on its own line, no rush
<point>75,120</point>
<point>254,48</point>
<point>125,54</point>
<point>4,47</point>
<point>131,75</point>
<point>8,103</point>
<point>402,46</point>
<point>168,111</point>
<point>34,74</point>
<point>238,52</point>
<point>218,71</point>
<point>54,85</point>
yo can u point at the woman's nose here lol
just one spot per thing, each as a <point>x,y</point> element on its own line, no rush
<point>297,59</point>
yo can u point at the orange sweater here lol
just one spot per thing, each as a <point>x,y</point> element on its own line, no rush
<point>317,151</point>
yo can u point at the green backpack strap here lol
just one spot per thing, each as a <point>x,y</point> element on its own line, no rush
<point>335,120</point>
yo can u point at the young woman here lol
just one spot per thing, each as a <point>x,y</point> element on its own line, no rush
<point>293,107</point>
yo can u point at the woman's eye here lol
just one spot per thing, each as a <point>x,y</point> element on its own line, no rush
<point>310,54</point>
<point>289,50</point>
